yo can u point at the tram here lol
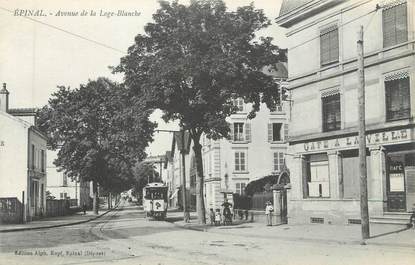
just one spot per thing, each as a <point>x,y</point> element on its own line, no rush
<point>155,200</point>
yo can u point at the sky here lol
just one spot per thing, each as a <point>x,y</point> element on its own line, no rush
<point>37,56</point>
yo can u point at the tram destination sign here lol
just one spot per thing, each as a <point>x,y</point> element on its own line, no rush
<point>371,139</point>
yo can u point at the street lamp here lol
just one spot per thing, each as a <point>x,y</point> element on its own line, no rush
<point>186,216</point>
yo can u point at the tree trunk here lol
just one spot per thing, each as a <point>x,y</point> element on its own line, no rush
<point>200,202</point>
<point>109,200</point>
<point>95,199</point>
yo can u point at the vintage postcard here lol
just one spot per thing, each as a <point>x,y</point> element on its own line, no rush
<point>207,132</point>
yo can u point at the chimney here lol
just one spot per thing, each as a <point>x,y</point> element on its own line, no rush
<point>4,99</point>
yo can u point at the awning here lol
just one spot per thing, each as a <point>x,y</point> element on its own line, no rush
<point>174,194</point>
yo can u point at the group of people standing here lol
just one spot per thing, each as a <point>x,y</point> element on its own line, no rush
<point>216,217</point>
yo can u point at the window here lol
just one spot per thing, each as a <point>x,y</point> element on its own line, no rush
<point>42,157</point>
<point>331,112</point>
<point>276,133</point>
<point>64,180</point>
<point>398,105</point>
<point>239,103</point>
<point>329,45</point>
<point>317,176</point>
<point>32,193</point>
<point>278,161</point>
<point>238,131</point>
<point>394,20</point>
<point>240,161</point>
<point>33,156</point>
<point>240,188</point>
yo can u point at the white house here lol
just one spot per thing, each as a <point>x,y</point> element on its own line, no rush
<point>62,187</point>
<point>256,149</point>
<point>22,163</point>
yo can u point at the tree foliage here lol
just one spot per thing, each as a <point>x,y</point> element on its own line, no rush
<point>143,172</point>
<point>99,132</point>
<point>193,60</point>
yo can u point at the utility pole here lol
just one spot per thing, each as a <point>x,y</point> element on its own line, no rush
<point>185,213</point>
<point>364,211</point>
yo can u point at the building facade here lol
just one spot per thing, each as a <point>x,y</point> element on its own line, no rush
<point>255,149</point>
<point>174,171</point>
<point>22,162</point>
<point>323,141</point>
<point>61,187</point>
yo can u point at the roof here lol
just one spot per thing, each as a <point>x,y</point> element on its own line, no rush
<point>4,90</point>
<point>289,5</point>
<point>23,111</point>
<point>156,185</point>
<point>295,11</point>
<point>177,140</point>
<point>278,70</point>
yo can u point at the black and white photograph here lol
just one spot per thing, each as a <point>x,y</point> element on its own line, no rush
<point>229,132</point>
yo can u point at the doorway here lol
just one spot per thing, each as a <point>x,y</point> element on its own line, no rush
<point>400,181</point>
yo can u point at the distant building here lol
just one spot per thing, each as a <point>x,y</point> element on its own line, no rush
<point>323,81</point>
<point>22,163</point>
<point>256,149</point>
<point>174,170</point>
<point>62,187</point>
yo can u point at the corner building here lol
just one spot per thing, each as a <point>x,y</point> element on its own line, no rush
<point>323,80</point>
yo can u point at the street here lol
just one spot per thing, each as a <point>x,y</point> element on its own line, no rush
<point>124,236</point>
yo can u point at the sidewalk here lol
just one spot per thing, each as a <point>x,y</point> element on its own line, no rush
<point>49,222</point>
<point>386,235</point>
<point>193,223</point>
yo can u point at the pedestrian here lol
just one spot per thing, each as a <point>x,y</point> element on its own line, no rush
<point>218,217</point>
<point>84,208</point>
<point>212,216</point>
<point>268,212</point>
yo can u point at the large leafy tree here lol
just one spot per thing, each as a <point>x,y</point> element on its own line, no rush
<point>193,60</point>
<point>143,174</point>
<point>99,132</point>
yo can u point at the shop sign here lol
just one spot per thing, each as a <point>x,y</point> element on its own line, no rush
<point>374,138</point>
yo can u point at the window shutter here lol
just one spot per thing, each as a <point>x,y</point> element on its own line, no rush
<point>286,132</point>
<point>275,164</point>
<point>394,24</point>
<point>245,165</point>
<point>231,132</point>
<point>324,48</point>
<point>281,161</point>
<point>270,132</point>
<point>248,132</point>
<point>334,45</point>
<point>388,21</point>
<point>329,45</point>
<point>401,24</point>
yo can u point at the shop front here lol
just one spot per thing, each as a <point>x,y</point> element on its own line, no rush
<point>400,178</point>
<point>325,177</point>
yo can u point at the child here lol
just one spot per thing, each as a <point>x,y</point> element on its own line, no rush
<point>212,216</point>
<point>218,217</point>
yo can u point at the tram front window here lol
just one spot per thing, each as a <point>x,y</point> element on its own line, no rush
<point>157,195</point>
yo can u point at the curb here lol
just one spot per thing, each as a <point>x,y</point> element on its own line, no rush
<point>207,228</point>
<point>57,225</point>
<point>204,228</point>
